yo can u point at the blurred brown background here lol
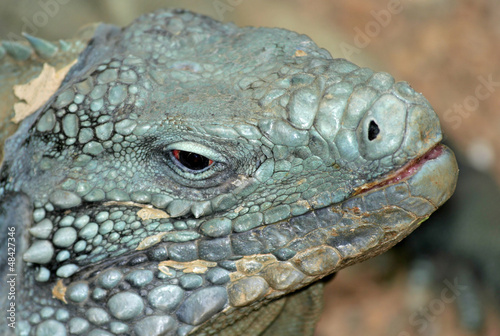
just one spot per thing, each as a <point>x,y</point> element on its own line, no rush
<point>449,51</point>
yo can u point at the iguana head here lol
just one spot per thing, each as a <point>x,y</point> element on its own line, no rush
<point>188,167</point>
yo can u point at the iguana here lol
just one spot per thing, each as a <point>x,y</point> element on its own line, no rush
<point>190,177</point>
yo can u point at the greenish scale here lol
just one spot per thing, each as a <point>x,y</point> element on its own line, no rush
<point>89,231</point>
<point>63,255</point>
<point>117,94</point>
<point>85,135</point>
<point>108,76</point>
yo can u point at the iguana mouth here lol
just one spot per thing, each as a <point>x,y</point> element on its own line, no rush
<point>405,172</point>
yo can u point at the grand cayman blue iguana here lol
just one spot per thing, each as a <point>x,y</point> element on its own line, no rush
<point>194,178</point>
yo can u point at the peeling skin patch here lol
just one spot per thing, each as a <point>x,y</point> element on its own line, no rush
<point>304,203</point>
<point>239,208</point>
<point>59,291</point>
<point>165,270</point>
<point>242,180</point>
<point>149,213</point>
<point>195,266</point>
<point>252,264</point>
<point>150,241</point>
<point>36,92</point>
<point>300,53</point>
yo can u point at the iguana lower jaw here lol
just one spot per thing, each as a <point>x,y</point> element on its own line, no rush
<point>405,172</point>
<point>362,227</point>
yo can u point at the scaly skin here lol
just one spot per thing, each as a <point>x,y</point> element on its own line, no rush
<point>305,164</point>
<point>15,71</point>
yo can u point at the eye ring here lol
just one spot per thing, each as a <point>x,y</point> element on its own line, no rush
<point>191,161</point>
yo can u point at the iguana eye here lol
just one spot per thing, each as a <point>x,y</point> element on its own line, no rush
<point>192,161</point>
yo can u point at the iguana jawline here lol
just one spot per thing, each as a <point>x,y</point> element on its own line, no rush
<point>403,173</point>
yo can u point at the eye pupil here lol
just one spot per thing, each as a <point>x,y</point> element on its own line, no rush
<point>190,160</point>
<point>373,130</point>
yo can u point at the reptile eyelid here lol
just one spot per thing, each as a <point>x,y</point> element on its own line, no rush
<point>194,147</point>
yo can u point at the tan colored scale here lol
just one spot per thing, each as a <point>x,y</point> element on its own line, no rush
<point>151,213</point>
<point>195,266</point>
<point>300,53</point>
<point>59,291</point>
<point>147,211</point>
<point>250,265</point>
<point>150,241</point>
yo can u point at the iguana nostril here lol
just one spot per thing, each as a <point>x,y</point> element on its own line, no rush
<point>373,130</point>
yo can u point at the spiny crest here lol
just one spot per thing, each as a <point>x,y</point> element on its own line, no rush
<point>22,61</point>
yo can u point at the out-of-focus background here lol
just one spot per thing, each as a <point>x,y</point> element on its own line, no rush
<point>445,278</point>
